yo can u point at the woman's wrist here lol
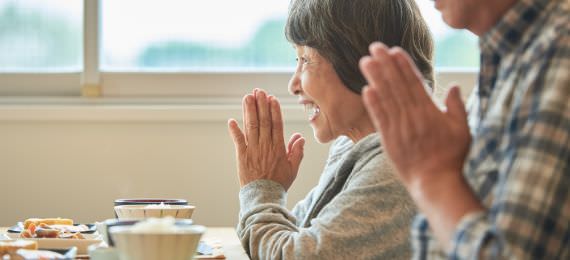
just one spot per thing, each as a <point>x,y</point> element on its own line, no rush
<point>262,191</point>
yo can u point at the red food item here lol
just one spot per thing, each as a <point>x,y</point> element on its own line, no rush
<point>32,228</point>
<point>26,234</point>
<point>46,233</point>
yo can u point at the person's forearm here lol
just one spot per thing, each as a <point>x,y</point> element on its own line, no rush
<point>444,201</point>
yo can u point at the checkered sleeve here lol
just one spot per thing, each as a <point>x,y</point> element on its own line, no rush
<point>530,213</point>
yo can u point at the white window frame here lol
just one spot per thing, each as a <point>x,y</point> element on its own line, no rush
<point>214,85</point>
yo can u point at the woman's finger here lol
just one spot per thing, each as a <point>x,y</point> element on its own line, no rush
<point>252,123</point>
<point>264,116</point>
<point>277,121</point>
<point>292,140</point>
<point>237,136</point>
<point>244,116</point>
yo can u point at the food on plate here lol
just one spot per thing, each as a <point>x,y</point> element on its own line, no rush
<point>13,246</point>
<point>25,249</point>
<point>52,228</point>
<point>47,221</point>
<point>26,254</point>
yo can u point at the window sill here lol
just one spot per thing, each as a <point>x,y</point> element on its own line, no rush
<point>130,110</point>
<point>176,84</point>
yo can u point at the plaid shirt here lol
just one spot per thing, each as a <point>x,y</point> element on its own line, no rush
<point>519,159</point>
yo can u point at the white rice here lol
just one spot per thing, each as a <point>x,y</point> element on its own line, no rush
<point>158,206</point>
<point>156,225</point>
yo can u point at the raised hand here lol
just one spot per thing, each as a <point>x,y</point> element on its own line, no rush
<point>427,145</point>
<point>260,148</point>
<point>421,139</point>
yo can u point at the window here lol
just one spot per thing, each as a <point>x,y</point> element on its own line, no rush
<point>40,35</point>
<point>197,35</point>
<point>194,35</point>
<point>454,49</point>
<point>168,48</point>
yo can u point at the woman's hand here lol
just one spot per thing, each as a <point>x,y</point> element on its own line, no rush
<point>260,151</point>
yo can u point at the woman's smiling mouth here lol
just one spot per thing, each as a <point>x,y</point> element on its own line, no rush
<point>312,110</point>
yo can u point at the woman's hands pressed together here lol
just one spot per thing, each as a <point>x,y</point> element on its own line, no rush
<point>260,147</point>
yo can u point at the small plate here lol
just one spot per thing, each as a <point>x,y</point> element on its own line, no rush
<point>61,243</point>
<point>68,253</point>
<point>204,249</point>
<point>85,236</point>
<point>19,227</point>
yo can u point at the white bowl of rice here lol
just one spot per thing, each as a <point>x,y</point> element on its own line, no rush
<point>130,212</point>
<point>154,238</point>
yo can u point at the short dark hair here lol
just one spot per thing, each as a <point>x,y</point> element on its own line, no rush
<point>342,30</point>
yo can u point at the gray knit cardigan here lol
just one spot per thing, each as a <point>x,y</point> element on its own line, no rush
<point>358,210</point>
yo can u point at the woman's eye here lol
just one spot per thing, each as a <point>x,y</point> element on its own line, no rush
<point>303,60</point>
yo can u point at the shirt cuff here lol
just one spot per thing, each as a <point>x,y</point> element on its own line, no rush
<point>260,192</point>
<point>470,237</point>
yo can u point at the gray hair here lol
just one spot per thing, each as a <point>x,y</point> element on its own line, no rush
<point>342,30</point>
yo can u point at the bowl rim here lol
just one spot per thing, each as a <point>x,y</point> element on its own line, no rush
<point>184,230</point>
<point>146,201</point>
<point>144,206</point>
<point>111,222</point>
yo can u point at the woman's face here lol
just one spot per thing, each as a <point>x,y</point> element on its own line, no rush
<point>333,109</point>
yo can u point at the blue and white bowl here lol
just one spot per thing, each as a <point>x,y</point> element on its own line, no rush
<point>132,212</point>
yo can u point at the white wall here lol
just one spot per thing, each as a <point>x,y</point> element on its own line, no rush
<point>77,169</point>
<point>74,160</point>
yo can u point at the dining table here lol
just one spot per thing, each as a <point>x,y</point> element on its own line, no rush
<point>226,236</point>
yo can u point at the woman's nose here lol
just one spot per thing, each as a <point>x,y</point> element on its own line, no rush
<point>294,84</point>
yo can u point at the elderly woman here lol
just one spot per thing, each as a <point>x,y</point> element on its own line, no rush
<point>358,209</point>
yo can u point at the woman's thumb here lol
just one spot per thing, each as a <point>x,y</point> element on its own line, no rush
<point>296,154</point>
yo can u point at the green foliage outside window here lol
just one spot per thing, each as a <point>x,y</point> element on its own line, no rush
<point>31,40</point>
<point>268,48</point>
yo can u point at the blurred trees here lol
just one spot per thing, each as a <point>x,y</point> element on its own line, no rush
<point>33,40</point>
<point>457,49</point>
<point>267,48</point>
